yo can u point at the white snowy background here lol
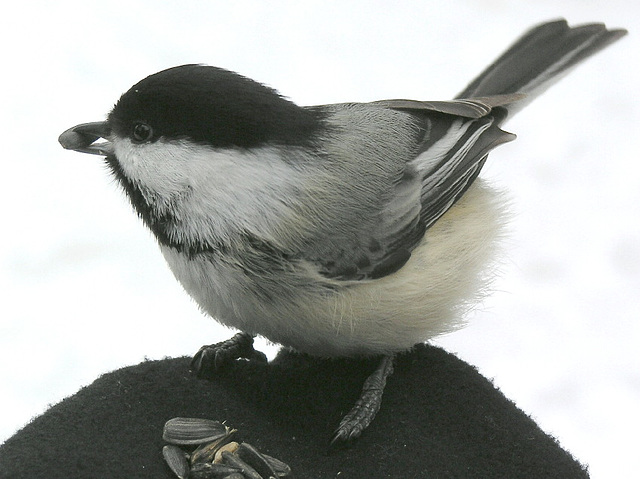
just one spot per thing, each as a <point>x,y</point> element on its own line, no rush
<point>84,289</point>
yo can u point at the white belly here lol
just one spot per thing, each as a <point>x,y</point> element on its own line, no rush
<point>448,272</point>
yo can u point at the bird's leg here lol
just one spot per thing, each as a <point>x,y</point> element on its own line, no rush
<point>366,406</point>
<point>210,358</point>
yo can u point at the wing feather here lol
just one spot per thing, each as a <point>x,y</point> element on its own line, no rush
<point>448,153</point>
<point>451,147</point>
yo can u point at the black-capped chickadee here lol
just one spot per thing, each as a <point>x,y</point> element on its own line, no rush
<point>353,229</point>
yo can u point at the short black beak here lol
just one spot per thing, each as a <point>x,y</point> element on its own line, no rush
<point>83,138</point>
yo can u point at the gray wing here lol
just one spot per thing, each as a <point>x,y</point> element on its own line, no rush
<point>376,245</point>
<point>476,107</point>
<point>448,151</point>
<point>452,159</point>
<point>457,136</point>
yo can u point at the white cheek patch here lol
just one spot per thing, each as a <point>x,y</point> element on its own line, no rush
<point>158,169</point>
<point>212,192</point>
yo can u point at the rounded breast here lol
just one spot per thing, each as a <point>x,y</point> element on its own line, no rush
<point>448,272</point>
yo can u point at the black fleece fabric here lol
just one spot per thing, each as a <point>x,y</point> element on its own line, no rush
<point>439,419</point>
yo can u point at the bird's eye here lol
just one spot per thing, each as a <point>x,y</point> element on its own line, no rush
<point>141,132</point>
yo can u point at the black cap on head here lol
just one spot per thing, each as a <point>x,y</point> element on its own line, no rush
<point>213,106</point>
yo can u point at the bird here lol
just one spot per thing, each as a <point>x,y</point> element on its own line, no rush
<point>340,230</point>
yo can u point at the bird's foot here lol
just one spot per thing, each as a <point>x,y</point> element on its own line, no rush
<point>210,358</point>
<point>366,406</point>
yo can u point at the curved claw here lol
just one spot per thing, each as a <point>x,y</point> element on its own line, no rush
<point>213,357</point>
<point>366,407</point>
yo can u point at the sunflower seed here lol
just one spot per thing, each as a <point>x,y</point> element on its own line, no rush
<point>204,470</point>
<point>207,452</point>
<point>176,460</point>
<point>234,461</point>
<point>187,430</point>
<point>216,456</point>
<point>229,447</point>
<point>281,468</point>
<point>255,459</point>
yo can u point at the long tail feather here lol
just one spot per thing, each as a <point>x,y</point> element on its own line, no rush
<point>541,57</point>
